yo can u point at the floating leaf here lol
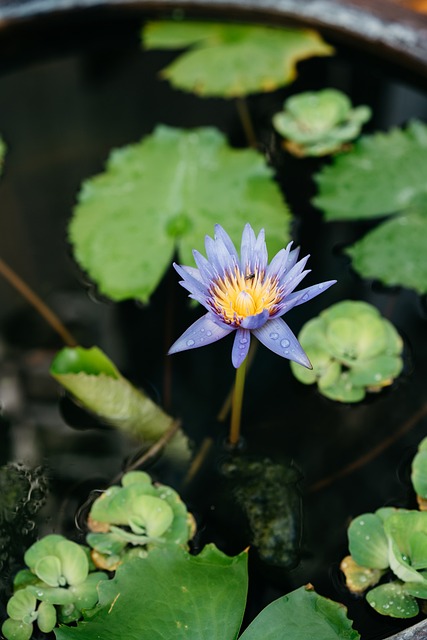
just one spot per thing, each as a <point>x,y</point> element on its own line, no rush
<point>232,60</point>
<point>394,252</point>
<point>162,195</point>
<point>383,174</point>
<point>300,615</point>
<point>392,600</point>
<point>169,594</point>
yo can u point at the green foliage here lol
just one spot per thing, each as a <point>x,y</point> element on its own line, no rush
<point>170,593</point>
<point>3,150</point>
<point>419,472</point>
<point>300,615</point>
<point>317,123</point>
<point>160,196</point>
<point>134,519</point>
<point>394,252</point>
<point>352,349</point>
<point>232,60</point>
<point>56,587</point>
<point>394,540</point>
<point>383,174</point>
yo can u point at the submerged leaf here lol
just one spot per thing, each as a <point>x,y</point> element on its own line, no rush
<point>358,578</point>
<point>231,60</point>
<point>160,196</point>
<point>300,615</point>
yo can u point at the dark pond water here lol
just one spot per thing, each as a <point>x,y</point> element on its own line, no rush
<point>68,94</point>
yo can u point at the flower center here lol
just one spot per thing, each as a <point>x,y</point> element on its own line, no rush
<point>236,296</point>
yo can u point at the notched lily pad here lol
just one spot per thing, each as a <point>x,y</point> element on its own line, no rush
<point>160,196</point>
<point>232,60</point>
<point>352,349</point>
<point>318,123</point>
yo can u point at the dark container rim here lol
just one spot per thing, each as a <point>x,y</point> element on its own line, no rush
<point>388,30</point>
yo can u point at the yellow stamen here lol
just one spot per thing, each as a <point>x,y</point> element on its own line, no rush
<point>237,296</point>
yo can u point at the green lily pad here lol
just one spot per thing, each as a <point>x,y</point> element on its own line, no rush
<point>407,534</point>
<point>376,372</point>
<point>392,600</point>
<point>22,605</point>
<point>162,195</point>
<point>151,516</point>
<point>358,578</point>
<point>203,596</point>
<point>91,377</point>
<point>419,470</point>
<point>368,542</point>
<point>317,123</point>
<point>383,174</point>
<point>300,615</point>
<point>232,60</point>
<point>394,252</point>
<point>44,547</point>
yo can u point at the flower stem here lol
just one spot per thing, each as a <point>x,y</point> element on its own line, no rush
<point>236,409</point>
<point>246,121</point>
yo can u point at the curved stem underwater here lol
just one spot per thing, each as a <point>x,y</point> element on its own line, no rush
<point>236,408</point>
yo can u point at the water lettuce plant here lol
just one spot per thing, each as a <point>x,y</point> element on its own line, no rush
<point>247,295</point>
<point>318,123</point>
<point>135,518</point>
<point>353,350</point>
<point>391,542</point>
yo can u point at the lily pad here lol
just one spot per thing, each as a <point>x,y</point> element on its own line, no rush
<point>232,60</point>
<point>383,174</point>
<point>300,615</point>
<point>202,596</point>
<point>392,600</point>
<point>394,252</point>
<point>160,196</point>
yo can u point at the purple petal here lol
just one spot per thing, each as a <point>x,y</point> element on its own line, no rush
<point>202,332</point>
<point>309,293</point>
<point>260,255</point>
<point>189,282</point>
<point>277,336</point>
<point>247,249</point>
<point>192,271</point>
<point>241,344</point>
<point>292,258</point>
<point>221,233</point>
<point>218,255</point>
<point>278,265</point>
<point>255,322</point>
<point>207,270</point>
<point>293,282</point>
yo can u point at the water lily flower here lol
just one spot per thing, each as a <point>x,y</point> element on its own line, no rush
<point>247,295</point>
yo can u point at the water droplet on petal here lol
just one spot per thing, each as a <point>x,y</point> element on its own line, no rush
<point>208,333</point>
<point>284,343</point>
<point>274,336</point>
<point>190,343</point>
<point>243,340</point>
<point>202,330</point>
<point>320,286</point>
<point>287,352</point>
<point>305,297</point>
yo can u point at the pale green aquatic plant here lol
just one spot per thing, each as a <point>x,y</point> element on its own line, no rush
<point>318,123</point>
